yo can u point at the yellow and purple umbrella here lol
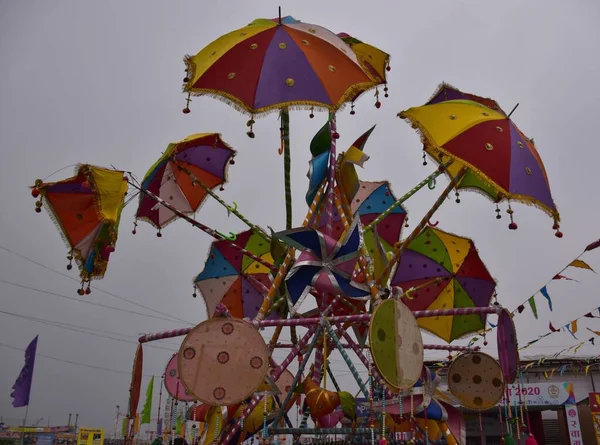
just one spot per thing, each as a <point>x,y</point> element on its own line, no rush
<point>485,150</point>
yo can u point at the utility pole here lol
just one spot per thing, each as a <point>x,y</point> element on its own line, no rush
<point>76,420</point>
<point>69,424</point>
<point>116,422</point>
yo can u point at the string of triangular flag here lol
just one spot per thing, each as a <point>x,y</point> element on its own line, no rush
<point>571,327</point>
<point>577,262</point>
<point>583,365</point>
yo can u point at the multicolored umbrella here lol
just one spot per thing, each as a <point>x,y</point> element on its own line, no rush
<point>183,176</point>
<point>486,147</point>
<point>272,64</point>
<point>445,272</point>
<point>234,279</point>
<point>86,208</point>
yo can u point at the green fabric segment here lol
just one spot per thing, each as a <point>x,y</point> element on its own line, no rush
<point>257,246</point>
<point>321,142</point>
<point>428,244</point>
<point>383,340</point>
<point>464,324</point>
<point>148,404</point>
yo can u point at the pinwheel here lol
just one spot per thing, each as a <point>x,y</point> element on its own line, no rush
<point>324,264</point>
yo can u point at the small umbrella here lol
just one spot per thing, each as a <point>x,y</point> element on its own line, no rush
<point>232,278</point>
<point>486,145</point>
<point>445,272</point>
<point>86,208</point>
<point>183,176</point>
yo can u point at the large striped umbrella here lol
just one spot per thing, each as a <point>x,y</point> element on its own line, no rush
<point>278,63</point>
<point>445,272</point>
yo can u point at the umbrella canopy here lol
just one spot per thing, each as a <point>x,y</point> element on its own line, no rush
<point>446,272</point>
<point>376,61</point>
<point>86,208</point>
<point>499,159</point>
<point>272,65</point>
<point>234,279</point>
<point>199,159</point>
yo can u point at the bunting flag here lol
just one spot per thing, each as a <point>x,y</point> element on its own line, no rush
<point>562,277</point>
<point>159,427</point>
<point>148,404</point>
<point>581,264</point>
<point>544,292</point>
<point>563,369</point>
<point>593,245</point>
<point>568,328</point>
<point>22,387</point>
<point>533,307</point>
<point>552,328</point>
<point>136,424</point>
<point>574,326</point>
<point>124,427</point>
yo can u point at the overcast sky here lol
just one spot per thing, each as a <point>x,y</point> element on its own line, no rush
<point>100,82</point>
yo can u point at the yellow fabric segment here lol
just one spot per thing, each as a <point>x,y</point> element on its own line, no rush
<point>255,267</point>
<point>380,259</point>
<point>456,246</point>
<point>215,50</point>
<point>352,157</point>
<point>440,326</point>
<point>374,56</point>
<point>437,121</point>
<point>111,191</point>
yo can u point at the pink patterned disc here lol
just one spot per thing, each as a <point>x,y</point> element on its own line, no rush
<point>172,383</point>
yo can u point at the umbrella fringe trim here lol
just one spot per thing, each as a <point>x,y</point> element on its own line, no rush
<point>427,141</point>
<point>355,91</point>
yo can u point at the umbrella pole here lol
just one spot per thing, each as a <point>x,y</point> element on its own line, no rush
<point>287,165</point>
<point>231,209</point>
<point>402,247</point>
<point>212,232</point>
<point>268,301</point>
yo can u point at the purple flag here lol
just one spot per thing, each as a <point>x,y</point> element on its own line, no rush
<point>22,387</point>
<point>159,427</point>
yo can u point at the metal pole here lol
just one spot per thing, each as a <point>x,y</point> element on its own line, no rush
<point>24,423</point>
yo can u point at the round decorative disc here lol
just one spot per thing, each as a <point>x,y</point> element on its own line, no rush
<point>223,361</point>
<point>396,344</point>
<point>172,383</point>
<point>475,379</point>
<point>508,351</point>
